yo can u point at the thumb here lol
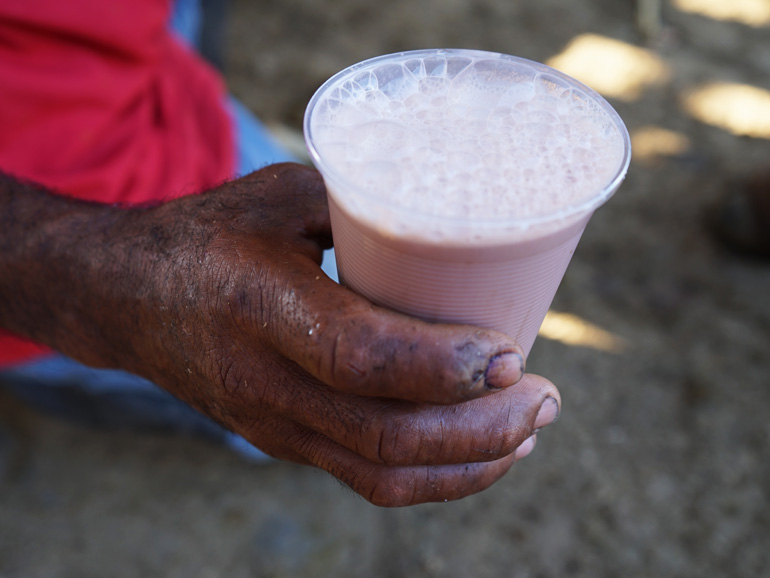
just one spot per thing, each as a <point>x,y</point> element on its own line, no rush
<point>356,347</point>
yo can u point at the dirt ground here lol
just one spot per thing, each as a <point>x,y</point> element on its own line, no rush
<point>659,465</point>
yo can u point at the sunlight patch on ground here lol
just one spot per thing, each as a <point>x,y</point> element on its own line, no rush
<point>611,67</point>
<point>651,143</point>
<point>741,109</point>
<point>572,330</point>
<point>750,12</point>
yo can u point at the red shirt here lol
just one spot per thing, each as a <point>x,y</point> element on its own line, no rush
<point>100,101</point>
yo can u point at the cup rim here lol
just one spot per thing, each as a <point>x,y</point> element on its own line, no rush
<point>563,213</point>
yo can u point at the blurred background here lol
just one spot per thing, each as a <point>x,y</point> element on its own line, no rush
<point>659,339</point>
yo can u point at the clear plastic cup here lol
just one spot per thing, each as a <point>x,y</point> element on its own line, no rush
<point>460,181</point>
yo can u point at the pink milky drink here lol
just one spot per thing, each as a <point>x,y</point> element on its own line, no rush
<point>460,181</point>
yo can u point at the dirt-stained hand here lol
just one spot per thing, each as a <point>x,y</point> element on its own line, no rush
<point>230,312</point>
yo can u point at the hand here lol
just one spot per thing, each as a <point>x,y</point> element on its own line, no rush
<point>219,299</point>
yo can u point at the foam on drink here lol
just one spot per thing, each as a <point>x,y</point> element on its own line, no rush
<point>494,143</point>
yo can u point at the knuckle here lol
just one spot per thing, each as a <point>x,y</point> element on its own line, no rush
<point>355,360</point>
<point>497,425</point>
<point>396,445</point>
<point>306,443</point>
<point>345,365</point>
<point>505,433</point>
<point>392,440</point>
<point>503,443</point>
<point>390,489</point>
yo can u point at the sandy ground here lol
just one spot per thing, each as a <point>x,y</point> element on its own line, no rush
<point>658,466</point>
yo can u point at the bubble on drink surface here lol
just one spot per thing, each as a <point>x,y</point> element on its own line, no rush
<point>475,138</point>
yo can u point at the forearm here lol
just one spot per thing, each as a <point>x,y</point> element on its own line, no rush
<point>56,269</point>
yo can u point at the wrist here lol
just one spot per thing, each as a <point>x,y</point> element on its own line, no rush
<point>56,268</point>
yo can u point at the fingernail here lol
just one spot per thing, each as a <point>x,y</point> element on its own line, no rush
<point>504,370</point>
<point>549,413</point>
<point>526,447</point>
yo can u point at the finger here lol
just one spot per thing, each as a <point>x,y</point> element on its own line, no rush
<point>355,347</point>
<point>395,486</point>
<point>398,433</point>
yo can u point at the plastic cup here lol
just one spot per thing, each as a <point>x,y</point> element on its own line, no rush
<point>460,181</point>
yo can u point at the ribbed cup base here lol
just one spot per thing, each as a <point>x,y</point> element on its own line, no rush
<point>507,288</point>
